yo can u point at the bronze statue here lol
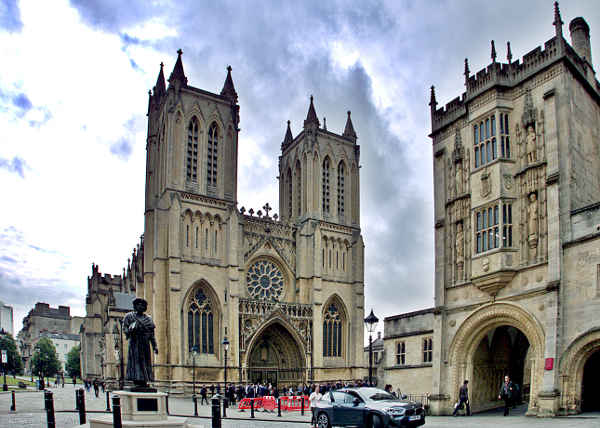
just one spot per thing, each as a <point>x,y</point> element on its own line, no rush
<point>139,330</point>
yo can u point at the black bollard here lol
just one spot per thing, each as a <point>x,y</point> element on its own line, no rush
<point>216,414</point>
<point>195,405</point>
<point>107,401</point>
<point>167,403</point>
<point>117,423</point>
<point>81,405</point>
<point>279,407</point>
<point>252,408</point>
<point>302,406</point>
<point>224,407</point>
<point>49,404</point>
<point>13,406</point>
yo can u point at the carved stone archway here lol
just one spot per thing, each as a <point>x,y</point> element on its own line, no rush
<point>571,366</point>
<point>476,327</point>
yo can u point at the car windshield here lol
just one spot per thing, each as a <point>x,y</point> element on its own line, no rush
<point>376,394</point>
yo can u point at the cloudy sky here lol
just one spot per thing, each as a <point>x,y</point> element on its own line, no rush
<point>73,98</point>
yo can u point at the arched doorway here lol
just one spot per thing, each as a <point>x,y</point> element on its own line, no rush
<point>276,358</point>
<point>503,351</point>
<point>590,387</point>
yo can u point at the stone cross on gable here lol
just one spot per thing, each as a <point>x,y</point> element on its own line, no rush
<point>267,208</point>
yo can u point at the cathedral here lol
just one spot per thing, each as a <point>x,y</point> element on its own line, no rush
<point>516,163</point>
<point>284,291</point>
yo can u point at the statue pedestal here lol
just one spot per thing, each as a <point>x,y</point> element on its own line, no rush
<point>141,409</point>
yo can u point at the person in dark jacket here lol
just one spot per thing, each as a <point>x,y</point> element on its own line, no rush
<point>463,398</point>
<point>506,394</point>
<point>203,395</point>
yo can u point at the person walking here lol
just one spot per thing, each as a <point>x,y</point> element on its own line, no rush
<point>506,393</point>
<point>96,387</point>
<point>203,395</point>
<point>463,398</point>
<point>314,397</point>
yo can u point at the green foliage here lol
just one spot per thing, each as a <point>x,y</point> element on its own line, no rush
<point>15,364</point>
<point>73,364</point>
<point>45,361</point>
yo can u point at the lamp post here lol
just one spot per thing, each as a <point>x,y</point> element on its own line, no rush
<point>4,361</point>
<point>194,353</point>
<point>371,322</point>
<point>225,348</point>
<point>119,348</point>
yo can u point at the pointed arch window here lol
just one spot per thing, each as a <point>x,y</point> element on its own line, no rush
<point>290,196</point>
<point>212,155</point>
<point>340,189</point>
<point>191,162</point>
<point>298,188</point>
<point>200,324</point>
<point>326,187</point>
<point>332,332</point>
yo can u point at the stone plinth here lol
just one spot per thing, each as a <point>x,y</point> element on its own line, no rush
<point>141,409</point>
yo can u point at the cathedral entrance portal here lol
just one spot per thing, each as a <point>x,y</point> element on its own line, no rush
<point>590,388</point>
<point>503,351</point>
<point>276,358</point>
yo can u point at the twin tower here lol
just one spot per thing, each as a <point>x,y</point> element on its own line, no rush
<point>285,291</point>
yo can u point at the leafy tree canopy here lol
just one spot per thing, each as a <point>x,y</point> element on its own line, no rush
<point>15,364</point>
<point>73,364</point>
<point>45,361</point>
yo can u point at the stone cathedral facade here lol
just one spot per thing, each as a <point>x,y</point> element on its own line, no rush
<point>517,236</point>
<point>286,291</point>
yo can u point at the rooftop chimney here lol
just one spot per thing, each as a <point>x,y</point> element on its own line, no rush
<point>580,39</point>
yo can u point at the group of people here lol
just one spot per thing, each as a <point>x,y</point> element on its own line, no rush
<point>509,393</point>
<point>88,384</point>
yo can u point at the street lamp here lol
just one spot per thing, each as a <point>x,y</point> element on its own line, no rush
<point>4,360</point>
<point>371,322</point>
<point>119,348</point>
<point>195,350</point>
<point>226,348</point>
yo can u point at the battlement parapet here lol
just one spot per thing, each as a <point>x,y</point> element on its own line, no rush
<point>509,75</point>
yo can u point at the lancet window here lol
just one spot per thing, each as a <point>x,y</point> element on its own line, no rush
<point>290,195</point>
<point>212,155</point>
<point>200,324</point>
<point>298,189</point>
<point>326,188</point>
<point>332,332</point>
<point>340,190</point>
<point>192,151</point>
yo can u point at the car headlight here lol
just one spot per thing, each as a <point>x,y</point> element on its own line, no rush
<point>395,411</point>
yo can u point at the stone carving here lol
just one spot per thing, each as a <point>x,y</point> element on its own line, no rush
<point>508,181</point>
<point>531,146</point>
<point>139,330</point>
<point>265,280</point>
<point>532,224</point>
<point>486,184</point>
<point>460,253</point>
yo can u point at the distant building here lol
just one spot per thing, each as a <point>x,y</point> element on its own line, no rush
<point>108,299</point>
<point>6,318</point>
<point>44,319</point>
<point>516,163</point>
<point>63,342</point>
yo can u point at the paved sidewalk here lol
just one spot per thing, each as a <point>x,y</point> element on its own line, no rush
<point>30,414</point>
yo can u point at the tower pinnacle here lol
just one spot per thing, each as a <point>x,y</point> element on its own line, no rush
<point>467,71</point>
<point>228,90</point>
<point>288,135</point>
<point>493,52</point>
<point>432,101</point>
<point>349,129</point>
<point>311,117</point>
<point>508,52</point>
<point>558,23</point>
<point>178,75</point>
<point>160,88</point>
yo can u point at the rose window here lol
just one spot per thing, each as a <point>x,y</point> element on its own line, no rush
<point>265,281</point>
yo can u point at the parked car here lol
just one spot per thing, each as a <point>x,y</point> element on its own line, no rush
<point>367,407</point>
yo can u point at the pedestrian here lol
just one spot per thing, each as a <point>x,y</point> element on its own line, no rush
<point>506,394</point>
<point>314,397</point>
<point>96,387</point>
<point>203,393</point>
<point>463,398</point>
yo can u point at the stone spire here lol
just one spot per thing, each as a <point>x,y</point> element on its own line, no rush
<point>324,123</point>
<point>311,117</point>
<point>558,23</point>
<point>493,52</point>
<point>432,101</point>
<point>228,90</point>
<point>177,75</point>
<point>160,88</point>
<point>288,135</point>
<point>508,53</point>
<point>349,129</point>
<point>467,71</point>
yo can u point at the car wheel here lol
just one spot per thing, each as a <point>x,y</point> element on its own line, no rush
<point>323,421</point>
<point>377,422</point>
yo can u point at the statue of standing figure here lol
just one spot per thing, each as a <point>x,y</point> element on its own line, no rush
<point>531,146</point>
<point>139,330</point>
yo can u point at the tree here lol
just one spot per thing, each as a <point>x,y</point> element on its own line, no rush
<point>73,364</point>
<point>15,364</point>
<point>44,361</point>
